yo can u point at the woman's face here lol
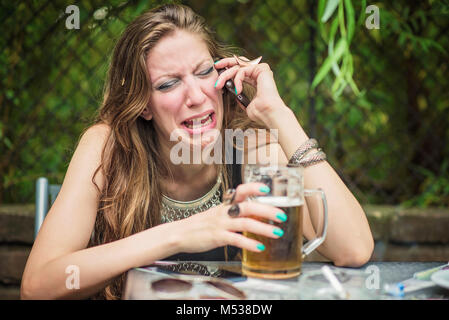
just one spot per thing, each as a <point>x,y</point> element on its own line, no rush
<point>183,98</point>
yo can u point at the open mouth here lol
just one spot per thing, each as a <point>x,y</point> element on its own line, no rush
<point>200,124</point>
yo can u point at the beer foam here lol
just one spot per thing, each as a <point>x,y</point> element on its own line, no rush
<point>280,201</point>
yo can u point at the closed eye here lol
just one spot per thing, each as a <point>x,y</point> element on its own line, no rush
<point>167,85</point>
<point>171,83</point>
<point>206,72</point>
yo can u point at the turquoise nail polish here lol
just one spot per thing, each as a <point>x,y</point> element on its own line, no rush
<point>235,91</point>
<point>261,247</point>
<point>216,61</point>
<point>264,189</point>
<point>281,216</point>
<point>215,85</point>
<point>278,232</point>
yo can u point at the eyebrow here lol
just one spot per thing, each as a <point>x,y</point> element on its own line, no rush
<point>175,74</point>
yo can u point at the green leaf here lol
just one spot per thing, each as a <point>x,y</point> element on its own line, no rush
<point>7,142</point>
<point>350,16</point>
<point>330,49</point>
<point>353,86</point>
<point>340,48</point>
<point>320,10</point>
<point>338,87</point>
<point>362,13</point>
<point>436,45</point>
<point>321,4</point>
<point>340,82</point>
<point>348,75</point>
<point>330,8</point>
<point>341,19</point>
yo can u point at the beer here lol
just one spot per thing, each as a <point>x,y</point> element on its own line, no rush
<point>282,257</point>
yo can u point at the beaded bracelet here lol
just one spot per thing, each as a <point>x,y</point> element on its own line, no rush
<point>302,150</point>
<point>300,156</point>
<point>314,158</point>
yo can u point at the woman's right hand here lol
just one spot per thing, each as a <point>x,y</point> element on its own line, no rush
<point>215,227</point>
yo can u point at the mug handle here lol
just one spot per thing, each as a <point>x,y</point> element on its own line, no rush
<point>311,245</point>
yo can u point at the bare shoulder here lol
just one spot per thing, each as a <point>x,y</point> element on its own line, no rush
<point>87,156</point>
<point>92,141</point>
<point>96,133</point>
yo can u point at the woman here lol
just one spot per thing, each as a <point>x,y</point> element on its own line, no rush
<point>117,208</point>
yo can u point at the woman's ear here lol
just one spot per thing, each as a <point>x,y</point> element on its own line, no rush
<point>147,114</point>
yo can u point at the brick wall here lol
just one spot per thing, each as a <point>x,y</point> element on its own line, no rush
<point>409,234</point>
<point>401,235</point>
<point>16,239</point>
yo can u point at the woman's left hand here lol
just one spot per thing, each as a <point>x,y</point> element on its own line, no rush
<point>267,101</point>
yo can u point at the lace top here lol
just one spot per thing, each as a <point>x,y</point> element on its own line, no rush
<point>173,210</point>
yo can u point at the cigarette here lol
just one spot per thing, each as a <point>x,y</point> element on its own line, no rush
<point>330,276</point>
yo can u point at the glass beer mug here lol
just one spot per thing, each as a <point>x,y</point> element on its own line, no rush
<point>282,257</point>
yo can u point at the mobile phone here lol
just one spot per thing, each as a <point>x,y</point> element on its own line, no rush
<point>230,86</point>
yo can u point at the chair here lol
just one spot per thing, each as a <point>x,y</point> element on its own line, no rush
<point>43,191</point>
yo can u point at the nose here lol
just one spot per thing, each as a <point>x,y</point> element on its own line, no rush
<point>194,93</point>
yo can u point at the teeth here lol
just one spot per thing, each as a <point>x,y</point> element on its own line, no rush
<point>203,118</point>
<point>208,121</point>
<point>198,124</point>
<point>199,119</point>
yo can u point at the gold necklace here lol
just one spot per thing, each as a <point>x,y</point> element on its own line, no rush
<point>173,210</point>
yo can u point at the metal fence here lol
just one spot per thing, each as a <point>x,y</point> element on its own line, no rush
<point>389,146</point>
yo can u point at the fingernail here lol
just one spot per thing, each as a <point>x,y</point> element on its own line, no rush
<point>264,189</point>
<point>235,89</point>
<point>216,61</point>
<point>278,232</point>
<point>261,247</point>
<point>215,85</point>
<point>281,216</point>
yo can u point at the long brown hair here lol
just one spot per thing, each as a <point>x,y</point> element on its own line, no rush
<point>130,200</point>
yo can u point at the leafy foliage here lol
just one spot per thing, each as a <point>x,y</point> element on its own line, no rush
<point>340,58</point>
<point>388,139</point>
